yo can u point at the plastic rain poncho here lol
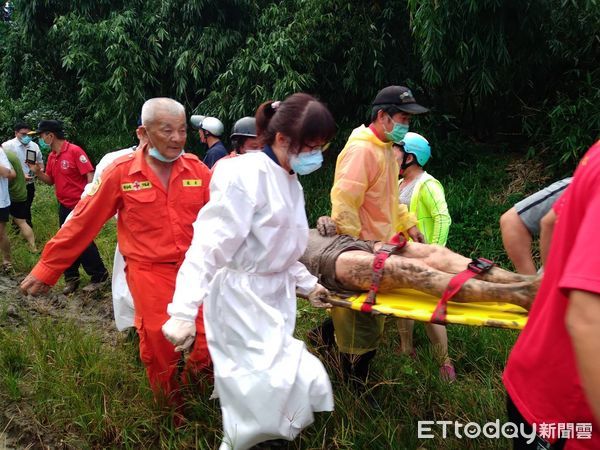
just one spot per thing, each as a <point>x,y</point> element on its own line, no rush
<point>364,196</point>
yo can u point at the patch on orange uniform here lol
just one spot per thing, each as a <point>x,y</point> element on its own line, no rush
<point>136,185</point>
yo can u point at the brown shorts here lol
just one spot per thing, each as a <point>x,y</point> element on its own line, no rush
<point>326,262</point>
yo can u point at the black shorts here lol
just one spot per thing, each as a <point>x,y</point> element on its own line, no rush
<point>19,210</point>
<point>4,214</point>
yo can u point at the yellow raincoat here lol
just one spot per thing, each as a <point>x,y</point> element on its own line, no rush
<point>364,201</point>
<point>364,196</point>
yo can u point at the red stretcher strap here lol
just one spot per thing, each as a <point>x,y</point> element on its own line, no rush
<point>475,267</point>
<point>397,242</point>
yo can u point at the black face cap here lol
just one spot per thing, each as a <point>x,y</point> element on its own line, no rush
<point>49,126</point>
<point>401,97</point>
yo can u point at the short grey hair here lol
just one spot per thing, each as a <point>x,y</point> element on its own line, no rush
<point>150,108</point>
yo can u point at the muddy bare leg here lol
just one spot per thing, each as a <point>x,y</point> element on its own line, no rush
<point>27,233</point>
<point>446,260</point>
<point>4,244</point>
<point>405,330</point>
<point>354,269</point>
<point>438,337</point>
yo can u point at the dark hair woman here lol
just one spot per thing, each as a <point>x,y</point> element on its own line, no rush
<point>242,266</point>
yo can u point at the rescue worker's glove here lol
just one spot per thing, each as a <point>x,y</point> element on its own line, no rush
<point>180,333</point>
<point>319,297</point>
<point>326,226</point>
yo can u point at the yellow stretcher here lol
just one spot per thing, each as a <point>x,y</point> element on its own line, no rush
<point>411,304</point>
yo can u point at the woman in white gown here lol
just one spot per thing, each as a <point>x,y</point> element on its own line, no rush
<point>243,266</point>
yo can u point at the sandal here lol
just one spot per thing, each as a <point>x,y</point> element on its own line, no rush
<point>448,373</point>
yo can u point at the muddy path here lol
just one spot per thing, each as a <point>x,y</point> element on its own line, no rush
<point>18,428</point>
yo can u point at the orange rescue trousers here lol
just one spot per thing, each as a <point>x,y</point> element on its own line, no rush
<point>152,286</point>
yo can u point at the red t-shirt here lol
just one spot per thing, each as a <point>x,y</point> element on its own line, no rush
<point>68,171</point>
<point>541,375</point>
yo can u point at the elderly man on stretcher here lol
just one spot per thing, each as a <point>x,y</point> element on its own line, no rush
<point>346,265</point>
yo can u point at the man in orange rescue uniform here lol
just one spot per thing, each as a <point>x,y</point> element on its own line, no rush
<point>157,191</point>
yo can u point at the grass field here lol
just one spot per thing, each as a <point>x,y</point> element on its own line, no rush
<point>69,384</point>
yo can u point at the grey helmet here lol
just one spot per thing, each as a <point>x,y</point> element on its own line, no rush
<point>211,124</point>
<point>196,121</point>
<point>244,127</point>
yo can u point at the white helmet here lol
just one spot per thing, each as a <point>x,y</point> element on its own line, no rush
<point>211,124</point>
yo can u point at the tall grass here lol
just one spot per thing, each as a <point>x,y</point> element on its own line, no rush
<point>74,387</point>
<point>68,385</point>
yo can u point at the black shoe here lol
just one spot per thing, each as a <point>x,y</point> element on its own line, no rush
<point>323,335</point>
<point>70,287</point>
<point>274,443</point>
<point>355,368</point>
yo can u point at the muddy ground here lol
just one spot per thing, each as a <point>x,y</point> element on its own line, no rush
<point>18,429</point>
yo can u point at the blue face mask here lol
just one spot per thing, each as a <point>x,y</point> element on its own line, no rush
<point>398,132</point>
<point>307,162</point>
<point>25,140</point>
<point>42,143</point>
<point>157,155</point>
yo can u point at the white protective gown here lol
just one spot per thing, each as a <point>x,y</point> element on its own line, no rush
<point>243,264</point>
<point>122,300</point>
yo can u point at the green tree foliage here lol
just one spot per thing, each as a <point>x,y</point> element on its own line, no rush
<point>493,62</point>
<point>343,51</point>
<point>104,58</point>
<point>502,68</point>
